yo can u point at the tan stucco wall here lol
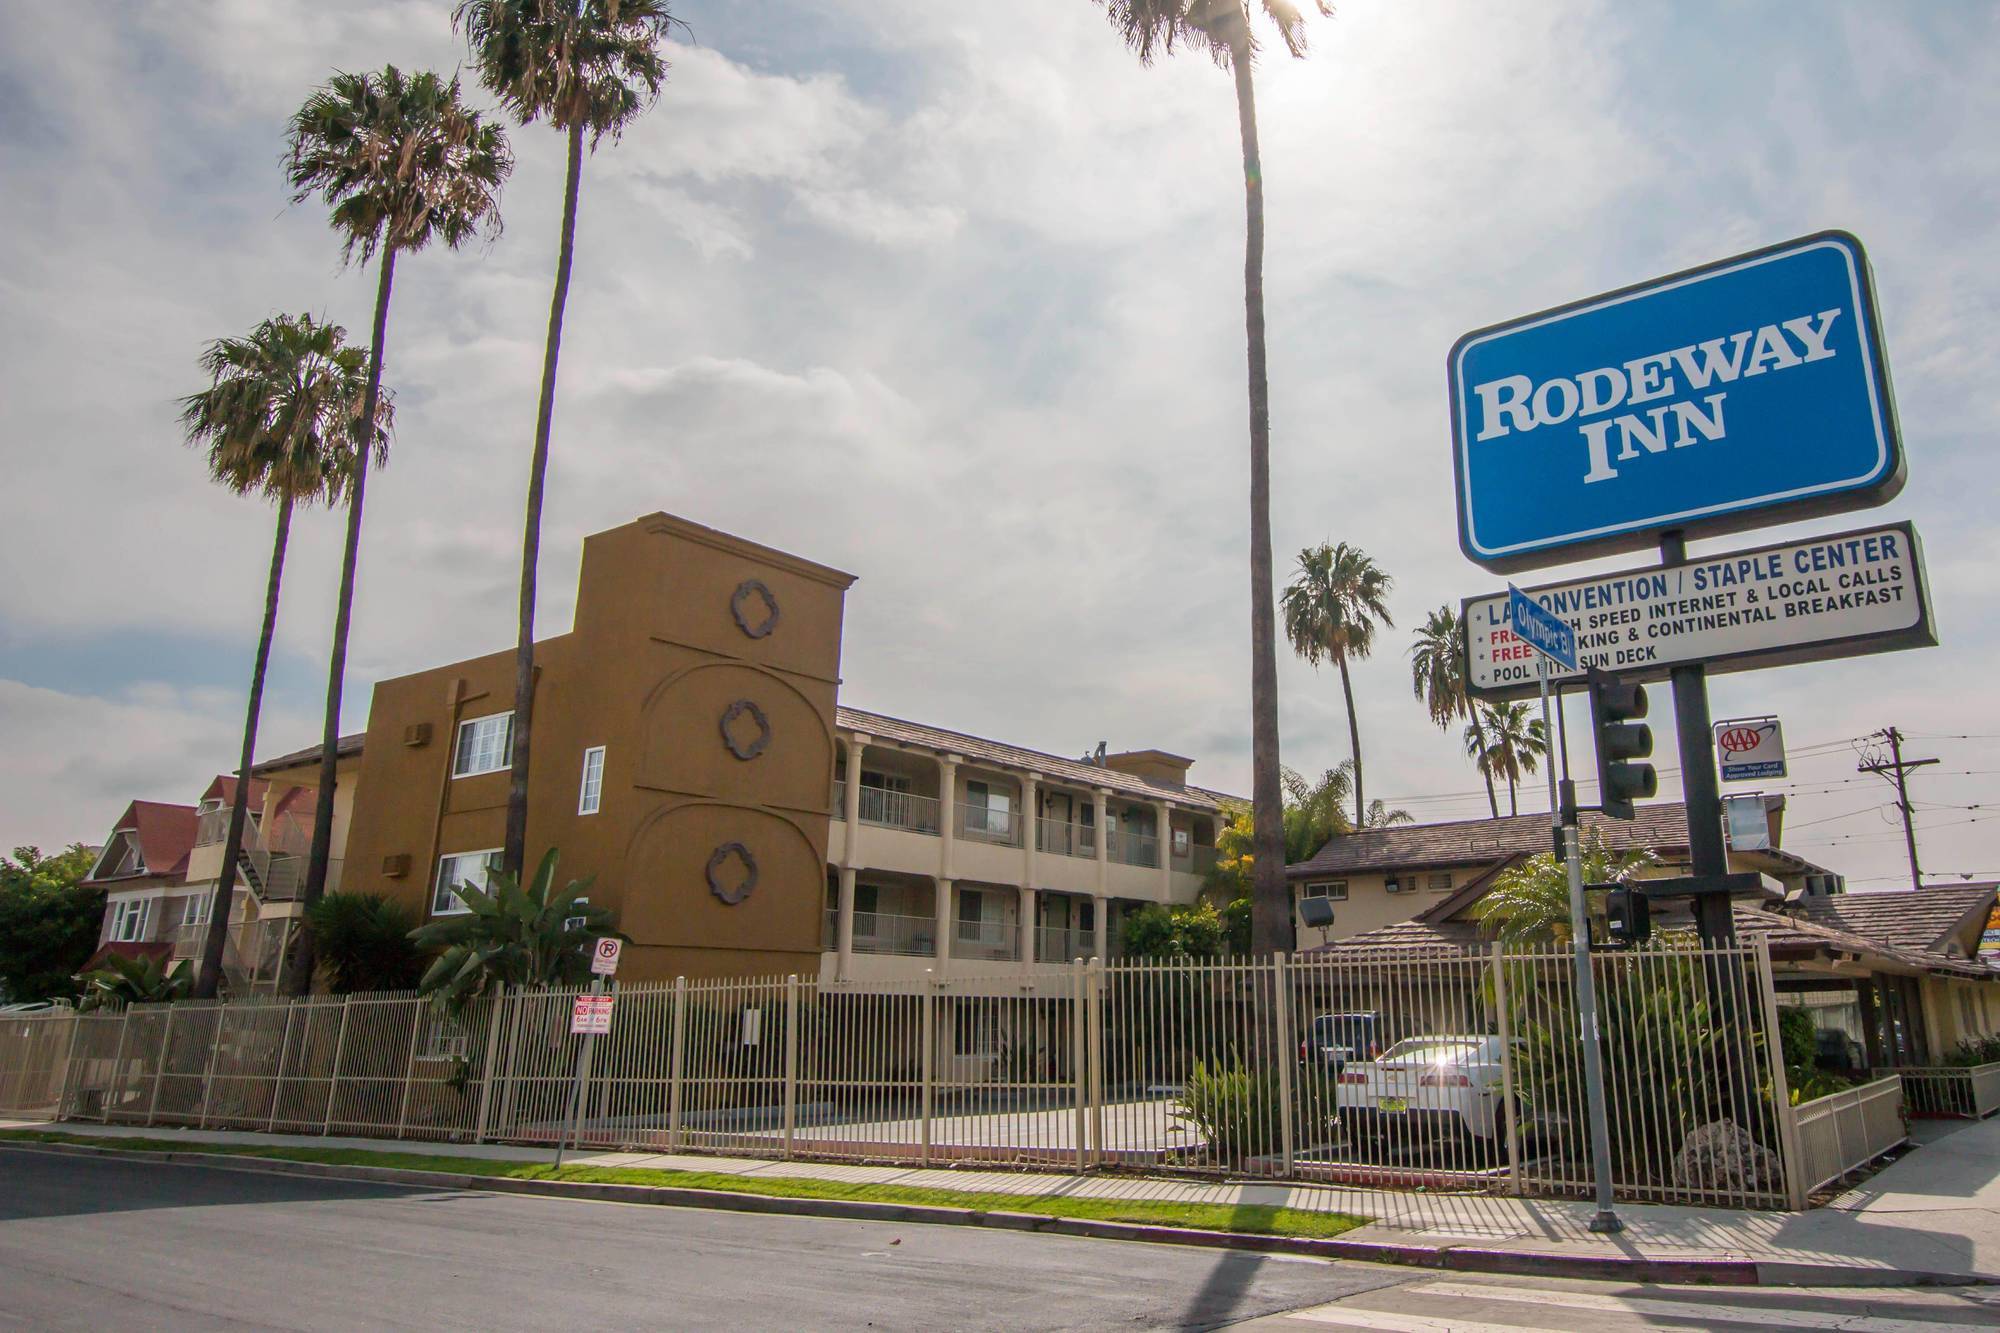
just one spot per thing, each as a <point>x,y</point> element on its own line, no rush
<point>655,658</point>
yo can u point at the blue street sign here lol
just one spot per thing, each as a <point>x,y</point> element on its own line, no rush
<point>1742,393</point>
<point>1543,630</point>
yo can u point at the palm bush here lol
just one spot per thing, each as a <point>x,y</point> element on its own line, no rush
<point>512,935</point>
<point>363,943</point>
<point>122,981</point>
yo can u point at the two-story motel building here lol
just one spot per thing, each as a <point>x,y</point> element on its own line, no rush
<point>689,754</point>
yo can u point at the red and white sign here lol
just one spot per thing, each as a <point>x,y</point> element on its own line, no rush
<point>1750,749</point>
<point>590,1015</point>
<point>604,956</point>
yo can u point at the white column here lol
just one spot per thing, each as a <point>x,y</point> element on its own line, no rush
<point>857,749</point>
<point>947,815</point>
<point>944,904</point>
<point>1100,923</point>
<point>1103,840</point>
<point>843,924</point>
<point>1166,845</point>
<point>1031,827</point>
<point>1028,924</point>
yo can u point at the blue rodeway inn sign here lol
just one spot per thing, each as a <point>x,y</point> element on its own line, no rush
<point>1742,393</point>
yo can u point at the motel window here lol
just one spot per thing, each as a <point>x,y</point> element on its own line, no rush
<point>194,911</point>
<point>1336,889</point>
<point>1182,844</point>
<point>591,796</point>
<point>483,744</point>
<point>1439,883</point>
<point>461,868</point>
<point>971,913</point>
<point>986,809</point>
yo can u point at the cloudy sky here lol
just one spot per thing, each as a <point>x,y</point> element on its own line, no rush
<point>949,296</point>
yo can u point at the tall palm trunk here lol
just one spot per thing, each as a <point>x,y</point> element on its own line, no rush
<point>1513,794</point>
<point>1271,903</point>
<point>1353,740</point>
<point>1485,770</point>
<point>212,947</point>
<point>514,853</point>
<point>299,969</point>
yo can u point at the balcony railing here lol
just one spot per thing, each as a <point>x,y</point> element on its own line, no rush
<point>1065,839</point>
<point>1135,849</point>
<point>1063,944</point>
<point>992,940</point>
<point>982,823</point>
<point>1199,860</point>
<point>899,809</point>
<point>840,798</point>
<point>212,827</point>
<point>886,932</point>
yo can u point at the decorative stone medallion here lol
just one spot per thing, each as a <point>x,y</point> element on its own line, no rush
<point>753,599</point>
<point>746,740</point>
<point>732,887</point>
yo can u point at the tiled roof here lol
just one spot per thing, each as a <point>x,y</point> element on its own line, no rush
<point>223,789</point>
<point>165,834</point>
<point>1910,918</point>
<point>342,748</point>
<point>980,750</point>
<point>1662,826</point>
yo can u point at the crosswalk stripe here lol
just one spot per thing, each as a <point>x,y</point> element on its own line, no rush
<point>1768,1316</point>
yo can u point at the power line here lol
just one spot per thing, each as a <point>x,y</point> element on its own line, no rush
<point>1901,768</point>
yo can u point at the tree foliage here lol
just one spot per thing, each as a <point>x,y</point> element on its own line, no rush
<point>362,943</point>
<point>1505,741</point>
<point>1529,903</point>
<point>1196,930</point>
<point>48,924</point>
<point>510,935</point>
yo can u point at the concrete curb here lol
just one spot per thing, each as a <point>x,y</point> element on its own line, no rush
<point>1446,1257</point>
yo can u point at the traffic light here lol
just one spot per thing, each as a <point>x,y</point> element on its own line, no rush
<point>1628,914</point>
<point>1615,709</point>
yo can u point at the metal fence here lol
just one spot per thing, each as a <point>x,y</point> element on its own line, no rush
<point>1452,1069</point>
<point>1846,1130</point>
<point>1971,1091</point>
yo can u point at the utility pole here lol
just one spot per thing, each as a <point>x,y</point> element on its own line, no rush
<point>1899,767</point>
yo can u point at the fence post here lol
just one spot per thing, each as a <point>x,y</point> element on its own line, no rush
<point>677,1065</point>
<point>333,1075</point>
<point>1509,1094</point>
<point>117,1063</point>
<point>929,1036</point>
<point>1281,997</point>
<point>1093,1037</point>
<point>208,1079</point>
<point>160,1065</point>
<point>486,1064</point>
<point>791,1060</point>
<point>64,1092</point>
<point>284,1058</point>
<point>410,1065</point>
<point>1786,1116</point>
<point>1079,1061</point>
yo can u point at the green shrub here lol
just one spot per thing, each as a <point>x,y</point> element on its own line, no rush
<point>363,943</point>
<point>1235,1110</point>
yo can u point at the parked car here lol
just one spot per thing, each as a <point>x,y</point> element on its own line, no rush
<point>1442,1085</point>
<point>1336,1039</point>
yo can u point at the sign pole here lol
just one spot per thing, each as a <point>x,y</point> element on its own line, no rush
<point>1701,792</point>
<point>573,1122</point>
<point>603,963</point>
<point>1563,825</point>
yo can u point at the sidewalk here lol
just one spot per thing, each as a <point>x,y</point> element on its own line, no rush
<point>1932,1216</point>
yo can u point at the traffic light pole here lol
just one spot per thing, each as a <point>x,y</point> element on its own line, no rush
<point>1701,790</point>
<point>1563,827</point>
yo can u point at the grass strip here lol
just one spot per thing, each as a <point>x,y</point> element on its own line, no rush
<point>1249,1219</point>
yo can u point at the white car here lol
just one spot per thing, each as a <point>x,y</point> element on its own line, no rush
<point>1441,1084</point>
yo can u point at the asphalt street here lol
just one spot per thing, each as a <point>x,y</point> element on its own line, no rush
<point>91,1243</point>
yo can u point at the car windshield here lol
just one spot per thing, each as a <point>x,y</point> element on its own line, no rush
<point>1431,1050</point>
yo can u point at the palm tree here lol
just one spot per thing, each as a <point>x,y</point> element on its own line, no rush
<point>1224,29</point>
<point>512,936</point>
<point>1331,609</point>
<point>279,418</point>
<point>1503,739</point>
<point>1437,676</point>
<point>400,161</point>
<point>586,66</point>
<point>1529,903</point>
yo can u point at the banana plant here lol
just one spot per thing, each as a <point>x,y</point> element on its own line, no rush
<point>122,981</point>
